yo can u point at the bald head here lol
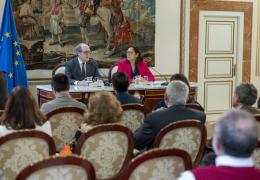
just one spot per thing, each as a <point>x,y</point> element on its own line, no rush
<point>237,134</point>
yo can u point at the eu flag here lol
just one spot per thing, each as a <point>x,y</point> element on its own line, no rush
<point>11,60</point>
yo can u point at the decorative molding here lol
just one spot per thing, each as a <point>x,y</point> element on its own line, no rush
<point>196,7</point>
<point>207,49</point>
<point>218,59</point>
<point>206,84</point>
<point>257,70</point>
<point>182,35</point>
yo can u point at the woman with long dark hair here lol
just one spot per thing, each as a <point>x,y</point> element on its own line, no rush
<point>134,65</point>
<point>22,112</point>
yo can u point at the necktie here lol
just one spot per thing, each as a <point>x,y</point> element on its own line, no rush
<point>83,72</point>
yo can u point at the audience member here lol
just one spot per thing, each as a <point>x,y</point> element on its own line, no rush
<point>22,112</point>
<point>103,108</point>
<point>244,97</point>
<point>208,159</point>
<point>176,95</point>
<point>120,84</point>
<point>134,65</point>
<point>78,68</point>
<point>180,77</point>
<point>60,86</point>
<point>234,141</point>
<point>3,91</point>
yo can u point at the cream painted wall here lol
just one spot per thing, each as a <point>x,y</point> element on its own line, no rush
<point>167,40</point>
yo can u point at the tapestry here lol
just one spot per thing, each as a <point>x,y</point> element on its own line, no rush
<point>50,29</point>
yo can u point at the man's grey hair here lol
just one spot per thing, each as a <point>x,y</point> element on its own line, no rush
<point>78,48</point>
<point>177,92</point>
<point>247,93</point>
<point>237,132</point>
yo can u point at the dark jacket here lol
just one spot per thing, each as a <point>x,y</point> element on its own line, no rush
<point>155,121</point>
<point>73,71</point>
<point>126,98</point>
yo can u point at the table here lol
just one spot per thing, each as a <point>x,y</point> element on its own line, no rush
<point>149,94</point>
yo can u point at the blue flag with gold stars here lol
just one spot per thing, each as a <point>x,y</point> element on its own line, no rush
<point>11,60</point>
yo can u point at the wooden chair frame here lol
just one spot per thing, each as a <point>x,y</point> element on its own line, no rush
<point>65,109</point>
<point>139,107</point>
<point>183,124</point>
<point>155,153</point>
<point>104,128</point>
<point>28,134</point>
<point>56,68</point>
<point>58,160</point>
<point>110,72</point>
<point>195,106</point>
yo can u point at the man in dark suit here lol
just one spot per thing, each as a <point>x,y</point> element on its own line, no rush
<point>176,95</point>
<point>82,66</point>
<point>120,84</point>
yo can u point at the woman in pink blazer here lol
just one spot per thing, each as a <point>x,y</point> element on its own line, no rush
<point>134,65</point>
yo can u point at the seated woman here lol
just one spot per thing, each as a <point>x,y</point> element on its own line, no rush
<point>134,65</point>
<point>103,108</point>
<point>3,92</point>
<point>180,77</point>
<point>22,112</point>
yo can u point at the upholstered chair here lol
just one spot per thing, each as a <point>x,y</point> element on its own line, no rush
<point>64,124</point>
<point>188,135</point>
<point>256,155</point>
<point>59,168</point>
<point>133,116</point>
<point>22,148</point>
<point>157,164</point>
<point>108,147</point>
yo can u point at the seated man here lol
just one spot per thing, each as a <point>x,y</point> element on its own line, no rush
<point>176,95</point>
<point>60,86</point>
<point>82,66</point>
<point>120,84</point>
<point>234,141</point>
<point>244,97</point>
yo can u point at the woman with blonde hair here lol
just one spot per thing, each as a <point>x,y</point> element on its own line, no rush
<point>103,108</point>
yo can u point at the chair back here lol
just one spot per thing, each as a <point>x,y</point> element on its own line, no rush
<point>157,164</point>
<point>256,155</point>
<point>59,69</point>
<point>112,70</point>
<point>108,147</point>
<point>257,118</point>
<point>133,116</point>
<point>59,167</point>
<point>64,124</point>
<point>195,106</point>
<point>151,98</point>
<point>22,148</point>
<point>188,135</point>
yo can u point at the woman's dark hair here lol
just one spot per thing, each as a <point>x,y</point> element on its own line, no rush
<point>21,111</point>
<point>139,57</point>
<point>180,77</point>
<point>3,92</point>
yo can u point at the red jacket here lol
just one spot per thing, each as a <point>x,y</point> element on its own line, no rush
<point>125,66</point>
<point>226,173</point>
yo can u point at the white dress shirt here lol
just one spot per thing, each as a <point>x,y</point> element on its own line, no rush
<point>222,161</point>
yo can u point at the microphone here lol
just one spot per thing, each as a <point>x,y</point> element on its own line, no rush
<point>160,74</point>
